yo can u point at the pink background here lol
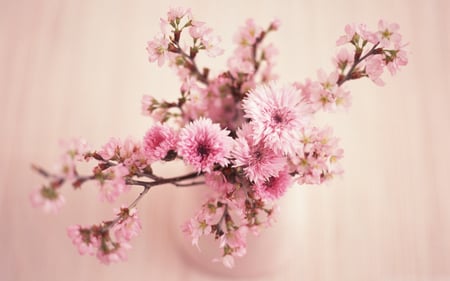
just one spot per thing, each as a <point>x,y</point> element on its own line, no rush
<point>79,68</point>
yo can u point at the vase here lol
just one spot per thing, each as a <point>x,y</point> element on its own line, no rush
<point>268,253</point>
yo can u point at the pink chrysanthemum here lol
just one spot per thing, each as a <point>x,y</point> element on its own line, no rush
<point>160,142</point>
<point>274,187</point>
<point>259,162</point>
<point>203,144</point>
<point>276,114</point>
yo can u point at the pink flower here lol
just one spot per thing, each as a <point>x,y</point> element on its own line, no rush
<point>275,25</point>
<point>248,34</point>
<point>111,150</point>
<point>203,144</point>
<point>211,43</point>
<point>177,13</point>
<point>258,161</point>
<point>274,187</point>
<point>217,181</point>
<point>374,68</point>
<point>388,34</point>
<point>353,34</point>
<point>322,99</point>
<point>149,104</point>
<point>74,150</point>
<point>276,114</point>
<point>220,105</point>
<point>113,184</point>
<point>344,59</point>
<point>83,239</point>
<point>129,225</point>
<point>342,98</point>
<point>113,253</point>
<point>350,32</point>
<point>48,199</point>
<point>201,223</point>
<point>234,244</point>
<point>317,161</point>
<point>157,49</point>
<point>395,60</point>
<point>160,142</point>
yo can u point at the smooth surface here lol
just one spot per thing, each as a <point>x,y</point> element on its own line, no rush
<point>79,68</point>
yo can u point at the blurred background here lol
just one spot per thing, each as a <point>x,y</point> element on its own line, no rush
<point>79,69</point>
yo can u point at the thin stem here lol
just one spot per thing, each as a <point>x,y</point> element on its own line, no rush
<point>355,63</point>
<point>193,65</point>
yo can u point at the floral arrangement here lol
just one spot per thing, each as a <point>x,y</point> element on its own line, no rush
<point>240,132</point>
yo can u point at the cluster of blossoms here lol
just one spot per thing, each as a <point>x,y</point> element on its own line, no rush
<point>245,136</point>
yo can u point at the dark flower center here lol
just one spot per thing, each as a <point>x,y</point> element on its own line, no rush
<point>203,150</point>
<point>277,118</point>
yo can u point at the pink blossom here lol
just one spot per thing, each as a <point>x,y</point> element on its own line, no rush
<point>234,244</point>
<point>344,59</point>
<point>198,29</point>
<point>201,223</point>
<point>328,81</point>
<point>258,161</point>
<point>211,43</point>
<point>274,187</point>
<point>276,115</point>
<point>83,239</point>
<point>322,99</point>
<point>269,53</point>
<point>374,68</point>
<point>388,34</point>
<point>177,13</point>
<point>353,33</point>
<point>217,181</point>
<point>221,106</point>
<point>75,148</point>
<point>397,59</point>
<point>367,35</point>
<point>203,144</point>
<point>111,150</point>
<point>196,105</point>
<point>114,253</point>
<point>350,32</point>
<point>160,142</point>
<point>157,49</point>
<point>227,261</point>
<point>248,34</point>
<point>130,153</point>
<point>317,161</point>
<point>239,64</point>
<point>149,104</point>
<point>129,225</point>
<point>47,198</point>
<point>235,239</point>
<point>275,24</point>
<point>114,183</point>
<point>342,98</point>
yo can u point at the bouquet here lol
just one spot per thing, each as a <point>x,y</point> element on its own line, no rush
<point>240,132</point>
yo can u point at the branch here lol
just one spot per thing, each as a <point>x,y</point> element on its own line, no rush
<point>348,76</point>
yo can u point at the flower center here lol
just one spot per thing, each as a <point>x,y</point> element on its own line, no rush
<point>277,118</point>
<point>203,150</point>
